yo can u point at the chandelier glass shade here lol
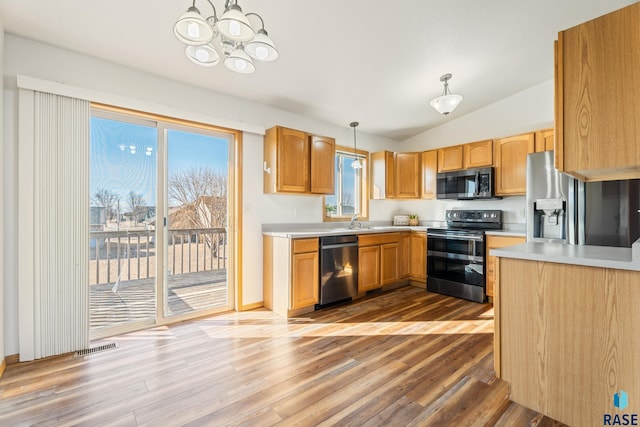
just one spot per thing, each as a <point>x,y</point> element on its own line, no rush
<point>447,102</point>
<point>232,34</point>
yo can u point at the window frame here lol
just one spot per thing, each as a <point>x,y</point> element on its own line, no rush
<point>364,186</point>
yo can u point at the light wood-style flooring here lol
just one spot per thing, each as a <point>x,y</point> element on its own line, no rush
<point>398,358</point>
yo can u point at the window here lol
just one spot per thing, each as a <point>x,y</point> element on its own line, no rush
<point>351,190</point>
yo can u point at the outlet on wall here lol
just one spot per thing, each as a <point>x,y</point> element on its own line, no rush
<point>522,213</point>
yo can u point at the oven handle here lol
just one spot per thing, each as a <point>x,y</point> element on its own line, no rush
<point>447,255</point>
<point>454,237</point>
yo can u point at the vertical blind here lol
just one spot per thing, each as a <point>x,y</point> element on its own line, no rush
<point>53,222</point>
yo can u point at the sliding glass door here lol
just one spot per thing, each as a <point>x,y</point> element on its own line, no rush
<point>160,248</point>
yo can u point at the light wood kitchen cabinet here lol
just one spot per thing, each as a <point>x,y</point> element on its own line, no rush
<point>545,140</point>
<point>511,164</point>
<point>389,261</point>
<point>404,260</point>
<point>407,175</point>
<point>368,268</point>
<point>378,260</point>
<point>429,166</point>
<point>494,242</point>
<point>450,158</point>
<point>478,154</point>
<point>597,92</point>
<point>395,175</point>
<point>299,162</point>
<point>290,275</point>
<point>323,157</point>
<point>418,257</point>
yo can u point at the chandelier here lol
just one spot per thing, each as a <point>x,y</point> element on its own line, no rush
<point>231,33</point>
<point>447,102</point>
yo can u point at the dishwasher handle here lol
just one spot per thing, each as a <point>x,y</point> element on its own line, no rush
<point>339,245</point>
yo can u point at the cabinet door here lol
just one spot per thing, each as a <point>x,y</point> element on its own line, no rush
<point>494,242</point>
<point>368,268</point>
<point>292,161</point>
<point>478,154</point>
<point>407,175</point>
<point>511,164</point>
<point>323,153</point>
<point>405,255</point>
<point>418,263</point>
<point>382,171</point>
<point>389,271</point>
<point>544,140</point>
<point>429,167</point>
<point>304,280</point>
<point>390,172</point>
<point>450,158</point>
<point>597,92</point>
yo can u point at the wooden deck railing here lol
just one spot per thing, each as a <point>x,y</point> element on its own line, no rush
<point>131,254</point>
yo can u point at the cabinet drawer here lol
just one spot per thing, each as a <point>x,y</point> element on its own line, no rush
<point>378,239</point>
<point>305,245</point>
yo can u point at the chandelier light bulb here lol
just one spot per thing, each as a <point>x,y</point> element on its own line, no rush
<point>193,30</point>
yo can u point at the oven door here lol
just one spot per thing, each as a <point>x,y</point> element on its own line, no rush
<point>456,258</point>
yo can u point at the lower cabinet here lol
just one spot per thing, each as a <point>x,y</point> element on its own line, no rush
<point>368,268</point>
<point>418,257</point>
<point>290,275</point>
<point>494,242</point>
<point>404,261</point>
<point>378,260</point>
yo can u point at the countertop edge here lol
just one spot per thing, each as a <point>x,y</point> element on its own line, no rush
<point>320,233</point>
<point>588,256</point>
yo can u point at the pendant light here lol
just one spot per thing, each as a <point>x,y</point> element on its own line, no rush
<point>447,102</point>
<point>356,162</point>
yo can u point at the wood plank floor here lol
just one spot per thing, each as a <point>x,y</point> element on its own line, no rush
<point>404,357</point>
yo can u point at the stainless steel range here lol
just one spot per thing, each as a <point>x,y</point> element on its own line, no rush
<point>456,253</point>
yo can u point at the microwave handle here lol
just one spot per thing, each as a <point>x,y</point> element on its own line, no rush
<point>475,192</point>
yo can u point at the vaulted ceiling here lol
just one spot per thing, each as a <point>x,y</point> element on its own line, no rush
<point>367,60</point>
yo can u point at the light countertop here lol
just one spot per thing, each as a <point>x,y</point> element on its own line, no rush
<point>590,256</point>
<point>337,231</point>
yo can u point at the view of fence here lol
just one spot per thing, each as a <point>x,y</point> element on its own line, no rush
<point>131,254</point>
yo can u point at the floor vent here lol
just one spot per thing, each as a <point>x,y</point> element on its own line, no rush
<point>93,350</point>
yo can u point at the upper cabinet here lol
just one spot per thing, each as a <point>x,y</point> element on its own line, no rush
<point>478,154</point>
<point>429,174</point>
<point>511,164</point>
<point>597,92</point>
<point>450,158</point>
<point>298,162</point>
<point>472,155</point>
<point>545,140</point>
<point>395,175</point>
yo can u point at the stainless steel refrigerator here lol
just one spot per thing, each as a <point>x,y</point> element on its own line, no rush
<point>565,210</point>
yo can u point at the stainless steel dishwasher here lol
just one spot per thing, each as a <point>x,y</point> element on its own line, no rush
<point>338,269</point>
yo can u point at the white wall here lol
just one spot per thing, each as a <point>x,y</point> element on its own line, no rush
<point>2,200</point>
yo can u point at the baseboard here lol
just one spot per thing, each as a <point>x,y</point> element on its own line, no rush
<point>252,306</point>
<point>3,366</point>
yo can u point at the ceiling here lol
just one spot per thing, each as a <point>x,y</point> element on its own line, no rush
<point>340,61</point>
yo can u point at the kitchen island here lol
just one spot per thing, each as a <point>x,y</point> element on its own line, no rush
<point>566,332</point>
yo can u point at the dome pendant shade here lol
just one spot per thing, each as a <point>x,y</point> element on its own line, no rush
<point>447,102</point>
<point>192,29</point>
<point>262,47</point>
<point>204,55</point>
<point>234,25</point>
<point>239,61</point>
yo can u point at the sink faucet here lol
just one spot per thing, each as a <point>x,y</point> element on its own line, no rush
<point>353,221</point>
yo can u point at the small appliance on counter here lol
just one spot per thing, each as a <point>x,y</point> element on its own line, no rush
<point>401,220</point>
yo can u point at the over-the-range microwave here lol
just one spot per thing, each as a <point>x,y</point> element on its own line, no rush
<point>468,184</point>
